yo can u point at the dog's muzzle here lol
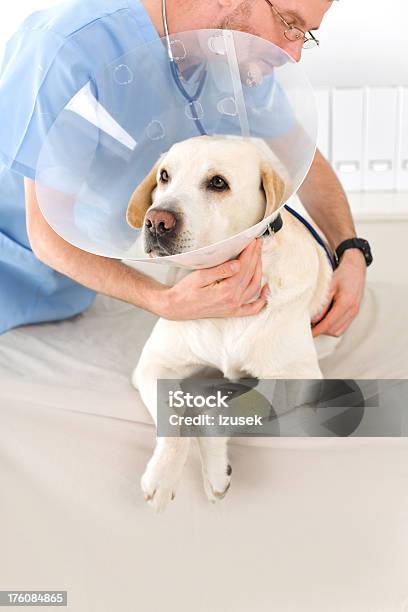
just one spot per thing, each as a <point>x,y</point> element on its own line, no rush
<point>161,228</point>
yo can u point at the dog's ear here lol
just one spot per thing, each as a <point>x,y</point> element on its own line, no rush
<point>141,199</point>
<point>274,188</point>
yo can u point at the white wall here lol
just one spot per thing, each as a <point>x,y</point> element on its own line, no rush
<point>363,42</point>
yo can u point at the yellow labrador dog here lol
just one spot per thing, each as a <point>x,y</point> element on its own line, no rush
<point>204,190</point>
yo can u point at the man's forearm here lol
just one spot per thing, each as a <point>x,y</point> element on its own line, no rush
<point>325,200</point>
<point>108,276</point>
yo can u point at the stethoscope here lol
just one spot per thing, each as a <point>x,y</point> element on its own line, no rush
<point>176,76</point>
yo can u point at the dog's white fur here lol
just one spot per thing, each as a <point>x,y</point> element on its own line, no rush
<point>276,343</point>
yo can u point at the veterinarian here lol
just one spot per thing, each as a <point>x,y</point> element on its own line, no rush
<point>51,56</point>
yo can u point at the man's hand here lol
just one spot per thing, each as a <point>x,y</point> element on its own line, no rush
<point>325,200</point>
<point>346,292</point>
<point>222,291</point>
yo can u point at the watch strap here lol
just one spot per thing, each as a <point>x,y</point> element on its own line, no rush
<point>354,243</point>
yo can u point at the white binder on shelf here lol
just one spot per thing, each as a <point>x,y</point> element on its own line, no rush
<point>323,109</point>
<point>347,136</point>
<point>402,141</point>
<point>380,146</point>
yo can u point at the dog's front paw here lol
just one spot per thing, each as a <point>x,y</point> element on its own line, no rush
<point>217,482</point>
<point>215,467</point>
<point>162,475</point>
<point>158,489</point>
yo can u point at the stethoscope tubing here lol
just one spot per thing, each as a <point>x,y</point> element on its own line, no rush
<point>176,77</point>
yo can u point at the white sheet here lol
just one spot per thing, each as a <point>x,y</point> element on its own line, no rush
<point>315,524</point>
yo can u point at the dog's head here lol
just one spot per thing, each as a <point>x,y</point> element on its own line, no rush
<point>203,190</point>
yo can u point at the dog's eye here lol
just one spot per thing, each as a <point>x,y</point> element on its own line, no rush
<point>164,176</point>
<point>218,183</point>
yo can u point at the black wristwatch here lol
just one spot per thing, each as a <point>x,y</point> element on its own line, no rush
<point>354,243</point>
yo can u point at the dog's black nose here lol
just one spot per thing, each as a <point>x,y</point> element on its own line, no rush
<point>159,222</point>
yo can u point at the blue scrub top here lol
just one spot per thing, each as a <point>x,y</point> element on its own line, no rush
<point>53,54</point>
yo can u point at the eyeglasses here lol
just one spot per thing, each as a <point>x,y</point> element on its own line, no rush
<point>295,34</point>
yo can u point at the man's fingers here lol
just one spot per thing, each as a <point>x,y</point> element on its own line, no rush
<point>254,286</point>
<point>243,266</point>
<point>319,316</point>
<point>342,330</point>
<point>334,321</point>
<point>338,328</point>
<point>249,259</point>
<point>328,321</point>
<point>248,254</point>
<point>208,276</point>
<point>248,310</point>
<point>328,330</point>
<point>233,283</point>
